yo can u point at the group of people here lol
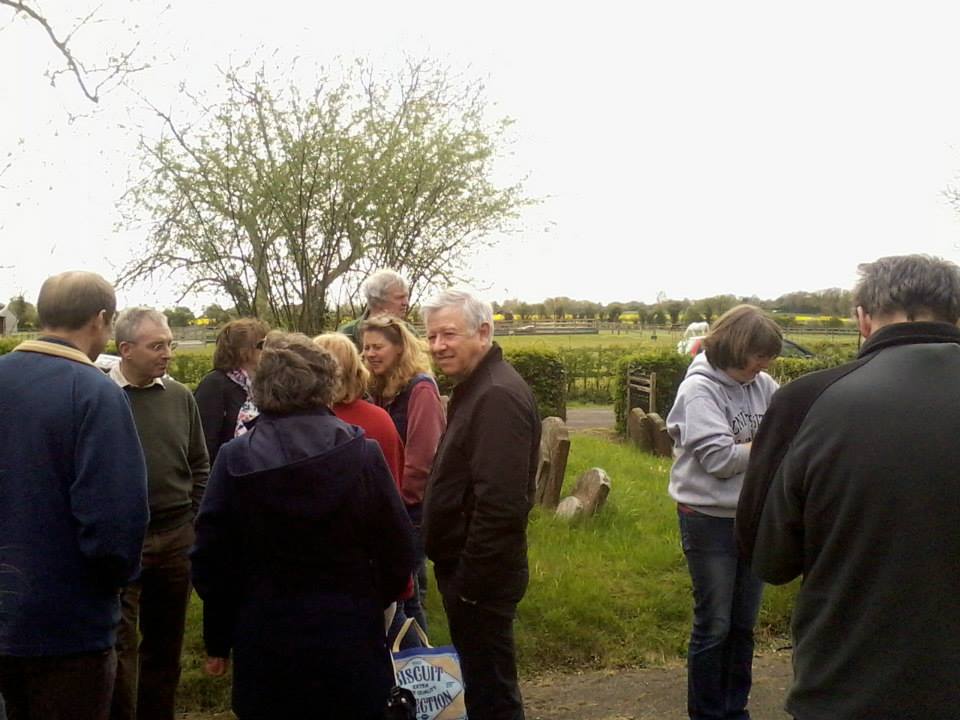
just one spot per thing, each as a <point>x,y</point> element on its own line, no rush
<point>303,485</point>
<point>298,490</point>
<point>847,477</point>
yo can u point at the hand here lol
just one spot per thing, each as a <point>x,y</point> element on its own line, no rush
<point>216,666</point>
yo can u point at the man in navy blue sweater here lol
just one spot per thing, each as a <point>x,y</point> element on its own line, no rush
<point>73,508</point>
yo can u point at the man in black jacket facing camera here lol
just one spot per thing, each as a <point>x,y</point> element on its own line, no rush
<point>478,498</point>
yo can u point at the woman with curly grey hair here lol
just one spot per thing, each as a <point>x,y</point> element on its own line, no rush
<point>302,541</point>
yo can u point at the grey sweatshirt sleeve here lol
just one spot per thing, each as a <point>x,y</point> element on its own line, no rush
<point>704,431</point>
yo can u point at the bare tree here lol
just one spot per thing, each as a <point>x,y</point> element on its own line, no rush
<point>92,78</point>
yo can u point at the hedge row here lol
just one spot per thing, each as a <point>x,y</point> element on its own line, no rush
<point>671,368</point>
<point>591,371</point>
<point>542,369</point>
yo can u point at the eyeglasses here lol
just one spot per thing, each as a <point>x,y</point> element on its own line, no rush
<point>157,346</point>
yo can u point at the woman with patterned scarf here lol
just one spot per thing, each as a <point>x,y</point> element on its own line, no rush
<point>224,395</point>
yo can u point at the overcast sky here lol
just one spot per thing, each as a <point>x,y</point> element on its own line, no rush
<point>692,148</point>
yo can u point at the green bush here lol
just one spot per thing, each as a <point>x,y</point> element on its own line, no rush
<point>7,344</point>
<point>190,367</point>
<point>670,368</point>
<point>783,370</point>
<point>545,374</point>
<point>590,371</point>
<point>543,371</point>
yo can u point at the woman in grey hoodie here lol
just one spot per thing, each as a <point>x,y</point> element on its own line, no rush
<point>714,419</point>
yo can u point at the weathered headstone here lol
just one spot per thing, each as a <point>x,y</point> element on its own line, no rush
<point>591,489</point>
<point>569,508</point>
<point>638,432</point>
<point>554,450</point>
<point>662,442</point>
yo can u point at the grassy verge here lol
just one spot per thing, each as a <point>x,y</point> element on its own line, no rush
<point>607,592</point>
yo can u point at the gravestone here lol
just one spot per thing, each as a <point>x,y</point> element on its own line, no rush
<point>592,488</point>
<point>570,508</point>
<point>638,432</point>
<point>662,442</point>
<point>589,495</point>
<point>554,450</point>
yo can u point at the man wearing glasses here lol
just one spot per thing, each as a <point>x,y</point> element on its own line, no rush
<point>168,423</point>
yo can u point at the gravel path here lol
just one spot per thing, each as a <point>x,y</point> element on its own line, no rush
<point>633,694</point>
<point>590,418</point>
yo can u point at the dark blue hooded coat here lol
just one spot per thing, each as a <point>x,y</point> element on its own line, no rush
<point>302,541</point>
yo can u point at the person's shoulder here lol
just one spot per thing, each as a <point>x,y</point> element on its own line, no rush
<point>214,377</point>
<point>171,384</point>
<point>505,385</point>
<point>700,386</point>
<point>423,383</point>
<point>374,413</point>
<point>174,389</point>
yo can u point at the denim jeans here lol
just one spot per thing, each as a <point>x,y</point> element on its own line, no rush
<point>414,606</point>
<point>727,599</point>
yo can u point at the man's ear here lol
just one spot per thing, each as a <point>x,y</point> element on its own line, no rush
<point>485,332</point>
<point>864,322</point>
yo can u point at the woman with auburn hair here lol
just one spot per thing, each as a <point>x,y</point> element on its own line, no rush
<point>302,542</point>
<point>350,406</point>
<point>402,383</point>
<point>223,395</point>
<point>718,409</point>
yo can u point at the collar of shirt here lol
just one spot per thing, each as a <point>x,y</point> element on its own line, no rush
<point>118,377</point>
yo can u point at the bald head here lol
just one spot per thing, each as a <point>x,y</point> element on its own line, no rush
<point>70,300</point>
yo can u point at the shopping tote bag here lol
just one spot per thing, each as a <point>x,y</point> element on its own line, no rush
<point>432,675</point>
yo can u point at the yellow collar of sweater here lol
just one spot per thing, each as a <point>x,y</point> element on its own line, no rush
<point>52,348</point>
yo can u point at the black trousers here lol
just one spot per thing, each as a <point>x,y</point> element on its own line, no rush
<point>484,640</point>
<point>148,661</point>
<point>72,687</point>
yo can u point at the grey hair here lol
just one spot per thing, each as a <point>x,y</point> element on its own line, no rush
<point>376,288</point>
<point>475,310</point>
<point>912,284</point>
<point>129,321</point>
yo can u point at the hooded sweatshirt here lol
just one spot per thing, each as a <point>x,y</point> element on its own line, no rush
<point>712,420</point>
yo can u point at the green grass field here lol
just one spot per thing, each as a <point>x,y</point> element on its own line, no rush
<point>607,592</point>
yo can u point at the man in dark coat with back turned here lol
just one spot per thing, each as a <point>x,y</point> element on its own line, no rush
<point>853,482</point>
<point>478,498</point>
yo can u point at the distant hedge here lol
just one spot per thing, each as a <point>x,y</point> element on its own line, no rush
<point>543,371</point>
<point>547,377</point>
<point>670,368</point>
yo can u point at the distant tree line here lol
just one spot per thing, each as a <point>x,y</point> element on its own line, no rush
<point>831,303</point>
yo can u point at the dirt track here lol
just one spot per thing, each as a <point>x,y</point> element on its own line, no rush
<point>646,694</point>
<point>638,694</point>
